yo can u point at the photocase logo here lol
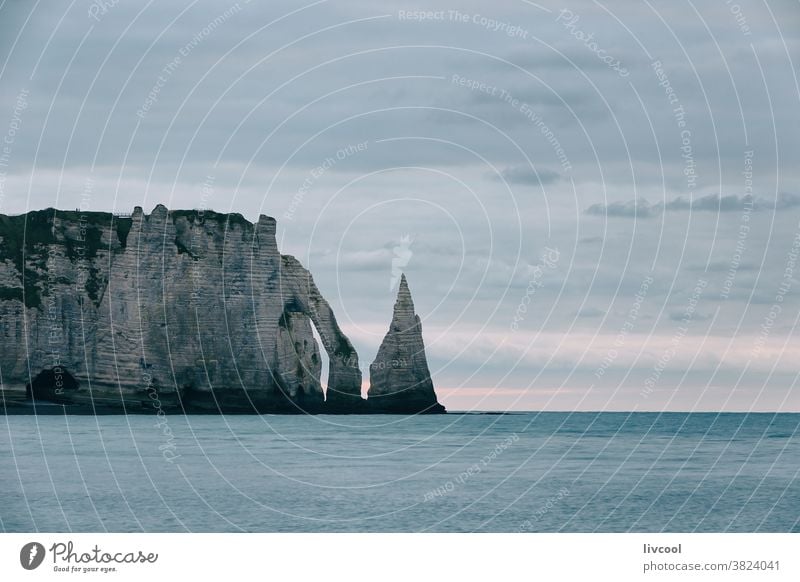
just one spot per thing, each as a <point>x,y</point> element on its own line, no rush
<point>402,256</point>
<point>31,555</point>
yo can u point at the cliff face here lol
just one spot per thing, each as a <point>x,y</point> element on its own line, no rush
<point>176,310</point>
<point>400,381</point>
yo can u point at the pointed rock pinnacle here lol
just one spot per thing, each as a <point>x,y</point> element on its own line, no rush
<point>400,381</point>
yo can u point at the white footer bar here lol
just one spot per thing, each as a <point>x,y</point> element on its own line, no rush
<point>401,557</point>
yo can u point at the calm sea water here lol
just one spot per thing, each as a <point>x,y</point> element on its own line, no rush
<point>519,472</point>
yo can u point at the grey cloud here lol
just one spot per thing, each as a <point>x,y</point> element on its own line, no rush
<point>723,267</point>
<point>570,59</point>
<point>681,316</point>
<point>527,175</point>
<point>589,312</point>
<point>641,208</point>
<point>787,200</point>
<point>712,202</point>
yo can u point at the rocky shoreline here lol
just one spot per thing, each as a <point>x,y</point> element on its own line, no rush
<point>185,311</point>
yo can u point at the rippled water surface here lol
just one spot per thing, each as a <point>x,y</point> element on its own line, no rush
<point>513,472</point>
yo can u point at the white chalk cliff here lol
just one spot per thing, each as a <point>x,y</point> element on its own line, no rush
<point>400,381</point>
<point>185,311</point>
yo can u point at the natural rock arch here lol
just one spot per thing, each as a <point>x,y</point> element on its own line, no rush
<point>344,375</point>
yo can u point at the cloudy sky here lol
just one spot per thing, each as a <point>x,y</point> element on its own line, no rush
<point>597,204</point>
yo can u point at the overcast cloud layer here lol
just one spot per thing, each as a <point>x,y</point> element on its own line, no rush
<point>597,204</point>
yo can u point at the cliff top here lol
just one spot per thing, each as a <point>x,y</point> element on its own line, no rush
<point>96,217</point>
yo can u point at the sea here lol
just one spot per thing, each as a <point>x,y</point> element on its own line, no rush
<point>511,472</point>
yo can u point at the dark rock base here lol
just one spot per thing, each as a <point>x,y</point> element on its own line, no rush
<point>16,402</point>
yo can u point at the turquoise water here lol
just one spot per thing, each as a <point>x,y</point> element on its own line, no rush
<point>517,472</point>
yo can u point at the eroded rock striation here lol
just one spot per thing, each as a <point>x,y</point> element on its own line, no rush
<point>400,381</point>
<point>187,310</point>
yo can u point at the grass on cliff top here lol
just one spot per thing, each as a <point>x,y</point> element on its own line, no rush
<point>221,218</point>
<point>26,237</point>
<point>24,234</point>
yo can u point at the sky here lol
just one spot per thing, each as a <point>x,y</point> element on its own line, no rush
<point>596,204</point>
